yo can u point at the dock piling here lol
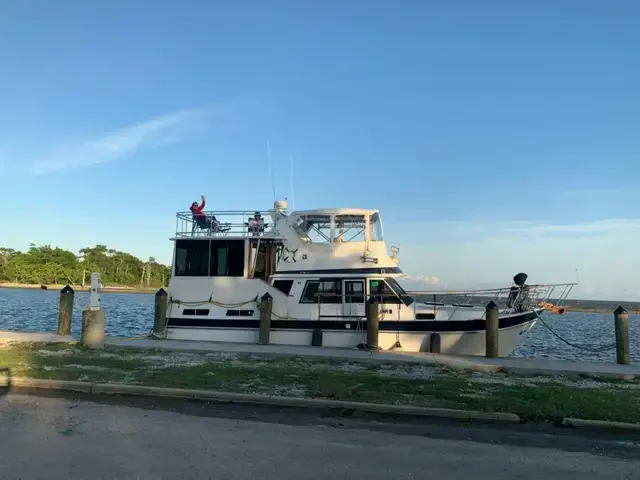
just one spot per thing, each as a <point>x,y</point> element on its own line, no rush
<point>160,313</point>
<point>65,312</point>
<point>435,343</point>
<point>492,325</point>
<point>266,308</point>
<point>316,337</point>
<point>93,326</point>
<point>621,320</point>
<point>373,323</point>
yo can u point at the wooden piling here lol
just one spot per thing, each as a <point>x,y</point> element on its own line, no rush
<point>373,323</point>
<point>621,320</point>
<point>93,327</point>
<point>316,337</point>
<point>492,325</point>
<point>160,313</point>
<point>266,307</point>
<point>65,312</point>
<point>435,343</point>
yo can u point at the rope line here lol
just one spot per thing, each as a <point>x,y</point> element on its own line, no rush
<point>602,348</point>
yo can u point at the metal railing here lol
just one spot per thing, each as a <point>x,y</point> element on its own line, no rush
<point>225,223</point>
<point>509,300</point>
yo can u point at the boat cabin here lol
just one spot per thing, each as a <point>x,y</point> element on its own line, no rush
<point>329,256</point>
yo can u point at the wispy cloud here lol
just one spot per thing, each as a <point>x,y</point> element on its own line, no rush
<point>473,231</point>
<point>421,280</point>
<point>124,142</point>
<point>461,255</point>
<point>583,228</point>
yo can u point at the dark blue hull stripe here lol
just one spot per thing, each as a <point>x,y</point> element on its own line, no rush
<point>353,325</point>
<point>343,271</point>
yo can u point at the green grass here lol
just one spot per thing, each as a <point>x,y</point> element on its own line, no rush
<point>533,398</point>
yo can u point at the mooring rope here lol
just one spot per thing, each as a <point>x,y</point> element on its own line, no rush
<point>602,348</point>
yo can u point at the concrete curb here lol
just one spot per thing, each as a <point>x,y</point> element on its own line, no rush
<point>291,402</point>
<point>311,403</point>
<point>601,425</point>
<point>296,402</point>
<point>65,385</point>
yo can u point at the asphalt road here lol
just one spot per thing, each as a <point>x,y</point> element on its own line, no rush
<point>70,438</point>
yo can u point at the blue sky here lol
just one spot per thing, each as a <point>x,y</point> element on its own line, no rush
<point>494,136</point>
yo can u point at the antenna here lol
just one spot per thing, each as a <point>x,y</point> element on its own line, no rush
<point>273,185</point>
<point>293,201</point>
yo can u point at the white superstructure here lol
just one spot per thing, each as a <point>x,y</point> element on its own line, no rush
<point>320,267</point>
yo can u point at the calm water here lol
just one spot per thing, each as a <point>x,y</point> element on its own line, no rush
<point>132,315</point>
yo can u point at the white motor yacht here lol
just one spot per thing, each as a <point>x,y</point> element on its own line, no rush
<point>321,267</point>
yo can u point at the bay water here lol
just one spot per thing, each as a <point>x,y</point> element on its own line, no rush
<point>131,315</point>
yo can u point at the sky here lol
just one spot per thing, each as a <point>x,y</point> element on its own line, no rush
<point>495,137</point>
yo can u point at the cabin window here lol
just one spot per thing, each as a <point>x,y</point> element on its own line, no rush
<point>314,228</point>
<point>354,291</point>
<point>349,228</point>
<point>382,292</point>
<point>192,258</point>
<point>227,258</point>
<point>239,313</point>
<point>194,311</point>
<point>322,291</point>
<point>283,285</point>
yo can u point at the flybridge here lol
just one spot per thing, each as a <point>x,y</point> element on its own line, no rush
<point>322,226</point>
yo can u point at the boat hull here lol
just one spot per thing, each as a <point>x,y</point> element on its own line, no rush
<point>449,337</point>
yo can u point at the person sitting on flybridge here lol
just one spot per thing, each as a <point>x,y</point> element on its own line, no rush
<point>256,225</point>
<point>204,221</point>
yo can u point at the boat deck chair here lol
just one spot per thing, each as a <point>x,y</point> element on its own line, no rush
<point>209,226</point>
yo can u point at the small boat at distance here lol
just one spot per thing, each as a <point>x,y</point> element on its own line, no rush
<point>321,267</point>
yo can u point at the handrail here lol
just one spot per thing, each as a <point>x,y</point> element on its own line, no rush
<point>227,223</point>
<point>486,290</point>
<point>509,300</point>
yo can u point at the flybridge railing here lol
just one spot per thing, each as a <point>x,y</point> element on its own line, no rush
<point>509,299</point>
<point>225,223</point>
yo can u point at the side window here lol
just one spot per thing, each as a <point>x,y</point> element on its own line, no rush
<point>354,291</point>
<point>322,291</point>
<point>382,293</point>
<point>310,294</point>
<point>192,258</point>
<point>283,285</point>
<point>227,258</point>
<point>330,291</point>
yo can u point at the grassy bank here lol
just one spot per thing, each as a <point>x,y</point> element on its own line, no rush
<point>533,398</point>
<point>78,288</point>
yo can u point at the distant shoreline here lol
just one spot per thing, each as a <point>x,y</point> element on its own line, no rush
<point>149,290</point>
<point>78,288</point>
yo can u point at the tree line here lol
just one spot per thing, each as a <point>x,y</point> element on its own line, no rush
<point>46,265</point>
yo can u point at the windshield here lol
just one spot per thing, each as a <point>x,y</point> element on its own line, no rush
<point>376,228</point>
<point>397,288</point>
